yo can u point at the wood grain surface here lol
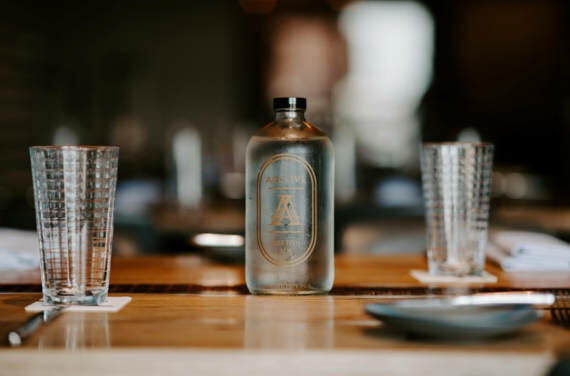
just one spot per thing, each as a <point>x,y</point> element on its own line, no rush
<point>217,328</point>
<point>251,334</point>
<point>351,271</point>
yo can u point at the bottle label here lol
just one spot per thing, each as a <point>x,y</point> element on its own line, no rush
<point>286,209</point>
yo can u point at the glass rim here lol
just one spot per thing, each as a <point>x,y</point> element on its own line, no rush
<point>75,147</point>
<point>458,143</point>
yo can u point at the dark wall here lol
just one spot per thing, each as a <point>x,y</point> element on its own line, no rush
<point>503,67</point>
<point>500,66</point>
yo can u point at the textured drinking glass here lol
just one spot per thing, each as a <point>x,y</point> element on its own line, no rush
<point>74,189</point>
<point>456,185</point>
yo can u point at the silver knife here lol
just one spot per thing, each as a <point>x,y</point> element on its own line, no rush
<point>482,299</point>
<point>17,336</point>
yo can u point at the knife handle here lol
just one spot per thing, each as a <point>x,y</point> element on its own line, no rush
<point>17,336</point>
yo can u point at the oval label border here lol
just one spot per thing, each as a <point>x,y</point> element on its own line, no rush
<point>307,253</point>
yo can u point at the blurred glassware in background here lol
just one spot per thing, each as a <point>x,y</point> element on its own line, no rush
<point>305,60</point>
<point>457,183</point>
<point>469,134</point>
<point>364,65</point>
<point>344,140</point>
<point>232,180</point>
<point>187,157</point>
<point>65,135</point>
<point>517,184</point>
<point>390,49</point>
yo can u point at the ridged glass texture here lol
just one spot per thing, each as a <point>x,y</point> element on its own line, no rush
<point>74,190</point>
<point>456,184</point>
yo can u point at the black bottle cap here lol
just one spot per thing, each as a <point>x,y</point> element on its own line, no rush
<point>289,103</point>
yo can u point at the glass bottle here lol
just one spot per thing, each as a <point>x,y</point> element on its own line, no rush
<point>289,205</point>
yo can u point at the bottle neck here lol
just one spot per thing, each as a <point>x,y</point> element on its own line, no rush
<point>288,114</point>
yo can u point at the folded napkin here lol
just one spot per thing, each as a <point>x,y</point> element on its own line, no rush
<point>18,250</point>
<point>528,251</point>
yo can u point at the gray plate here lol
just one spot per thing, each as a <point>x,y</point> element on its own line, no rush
<point>456,322</point>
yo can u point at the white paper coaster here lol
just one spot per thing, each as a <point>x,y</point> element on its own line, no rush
<point>424,277</point>
<point>112,304</point>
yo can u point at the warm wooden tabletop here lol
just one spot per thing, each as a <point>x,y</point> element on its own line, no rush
<point>352,272</point>
<point>193,316</point>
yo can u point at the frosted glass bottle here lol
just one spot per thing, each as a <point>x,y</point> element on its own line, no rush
<point>289,205</point>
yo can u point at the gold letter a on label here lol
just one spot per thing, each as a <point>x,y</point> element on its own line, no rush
<point>285,209</point>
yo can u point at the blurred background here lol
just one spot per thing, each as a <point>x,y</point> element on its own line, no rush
<point>180,86</point>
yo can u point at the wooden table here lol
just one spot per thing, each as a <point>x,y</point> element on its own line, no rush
<point>193,316</point>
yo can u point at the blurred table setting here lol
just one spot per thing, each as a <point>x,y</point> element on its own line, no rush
<point>496,307</point>
<point>191,313</point>
<point>265,187</point>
